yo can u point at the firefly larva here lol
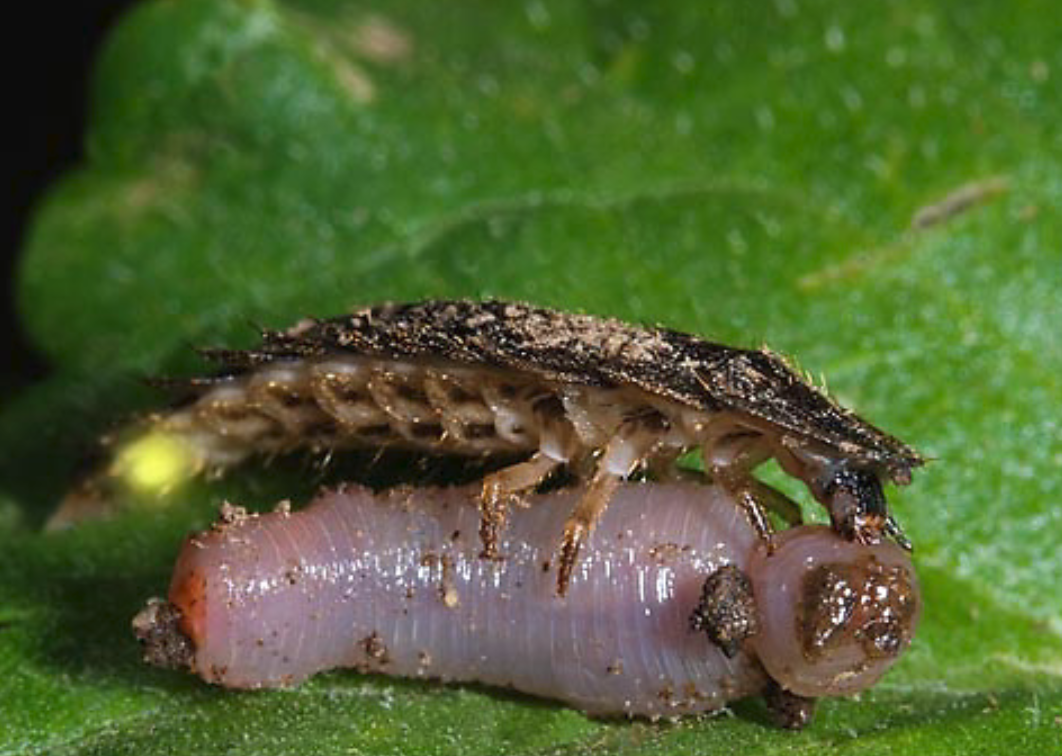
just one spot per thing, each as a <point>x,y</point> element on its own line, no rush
<point>675,606</point>
<point>563,390</point>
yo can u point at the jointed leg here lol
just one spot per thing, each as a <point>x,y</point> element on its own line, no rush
<point>731,461</point>
<point>581,521</point>
<point>502,486</point>
<point>776,501</point>
<point>754,510</point>
<point>629,447</point>
<point>851,493</point>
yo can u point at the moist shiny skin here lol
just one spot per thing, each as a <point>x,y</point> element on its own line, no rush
<point>394,583</point>
<point>834,614</point>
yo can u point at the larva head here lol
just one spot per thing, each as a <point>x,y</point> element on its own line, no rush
<point>851,490</point>
<point>834,615</point>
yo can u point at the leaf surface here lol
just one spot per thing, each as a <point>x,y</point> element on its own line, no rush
<point>746,172</point>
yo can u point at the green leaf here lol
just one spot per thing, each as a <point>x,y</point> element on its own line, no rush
<point>748,172</point>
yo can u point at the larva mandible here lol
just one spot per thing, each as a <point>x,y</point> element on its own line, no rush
<point>565,390</point>
<point>674,608</point>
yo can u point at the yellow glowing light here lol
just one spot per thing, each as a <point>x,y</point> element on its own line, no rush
<point>155,463</point>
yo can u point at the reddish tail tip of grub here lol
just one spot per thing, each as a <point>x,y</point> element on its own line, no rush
<point>188,597</point>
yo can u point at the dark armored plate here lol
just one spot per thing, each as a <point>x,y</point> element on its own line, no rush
<point>581,349</point>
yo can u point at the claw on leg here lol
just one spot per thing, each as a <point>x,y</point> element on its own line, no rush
<point>893,529</point>
<point>581,521</point>
<point>499,488</point>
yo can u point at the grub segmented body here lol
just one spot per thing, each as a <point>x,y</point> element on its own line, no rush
<point>393,583</point>
<point>485,378</point>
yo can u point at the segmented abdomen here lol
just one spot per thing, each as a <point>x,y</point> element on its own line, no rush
<point>352,402</point>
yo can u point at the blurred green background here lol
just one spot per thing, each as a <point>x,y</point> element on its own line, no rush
<point>790,173</point>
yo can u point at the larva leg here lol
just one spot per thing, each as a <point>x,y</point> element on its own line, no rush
<point>662,468</point>
<point>731,460</point>
<point>853,496</point>
<point>556,446</point>
<point>630,446</point>
<point>789,711</point>
<point>581,521</point>
<point>727,610</point>
<point>501,486</point>
<point>756,513</point>
<point>682,475</point>
<point>777,502</point>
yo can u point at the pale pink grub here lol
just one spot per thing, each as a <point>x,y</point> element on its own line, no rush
<point>394,583</point>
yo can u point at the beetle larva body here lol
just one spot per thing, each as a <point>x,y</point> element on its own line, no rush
<point>393,583</point>
<point>482,378</point>
<point>436,407</point>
